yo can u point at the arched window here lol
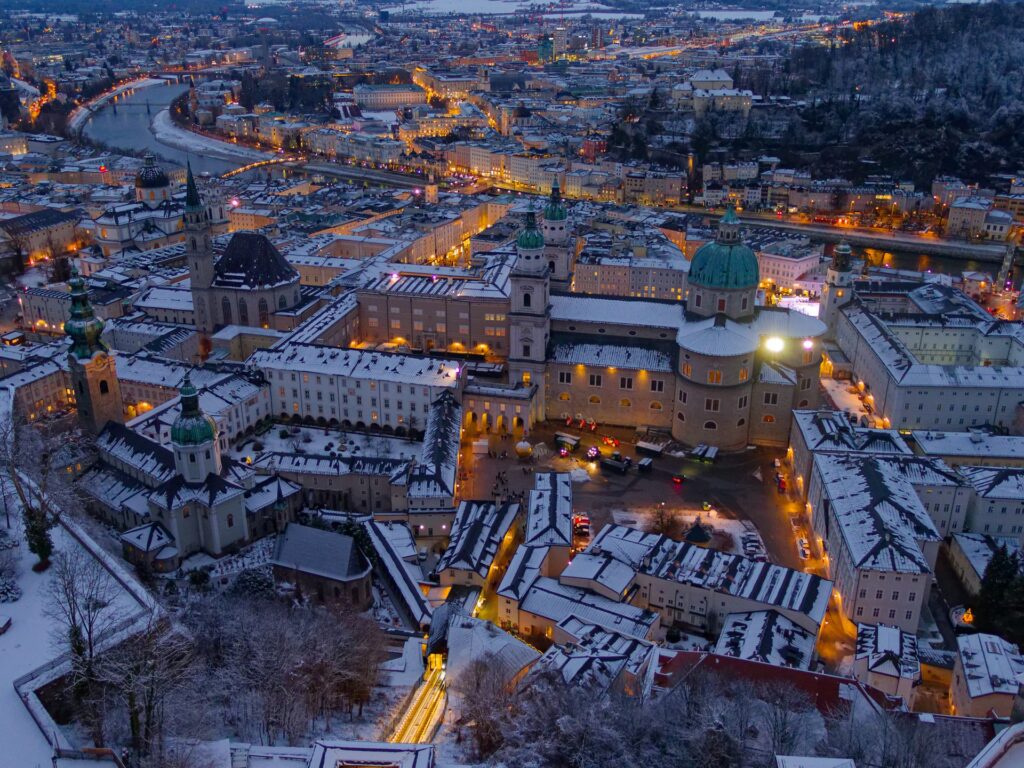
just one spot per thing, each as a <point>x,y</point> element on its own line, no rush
<point>687,369</point>
<point>803,404</point>
<point>655,405</point>
<point>714,376</point>
<point>564,397</point>
<point>595,400</point>
<point>744,373</point>
<point>527,298</point>
<point>225,308</point>
<point>741,422</point>
<point>710,425</point>
<point>281,301</point>
<point>243,312</point>
<point>231,520</point>
<point>264,314</point>
<point>743,305</point>
<point>768,419</point>
<point>696,299</point>
<point>104,387</point>
<point>681,416</point>
<point>625,403</point>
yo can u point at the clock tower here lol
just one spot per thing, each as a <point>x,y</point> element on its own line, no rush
<point>93,369</point>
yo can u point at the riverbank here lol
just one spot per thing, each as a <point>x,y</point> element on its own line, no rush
<point>167,132</point>
<point>82,114</point>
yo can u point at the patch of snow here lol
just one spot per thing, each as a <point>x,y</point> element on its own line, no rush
<point>166,132</point>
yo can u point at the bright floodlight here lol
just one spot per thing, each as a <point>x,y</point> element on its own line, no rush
<point>808,343</point>
<point>774,344</point>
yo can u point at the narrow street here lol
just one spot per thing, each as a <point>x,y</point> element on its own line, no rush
<point>426,709</point>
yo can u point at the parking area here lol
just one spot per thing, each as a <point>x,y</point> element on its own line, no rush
<point>737,487</point>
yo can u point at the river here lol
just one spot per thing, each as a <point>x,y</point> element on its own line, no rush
<point>124,123</point>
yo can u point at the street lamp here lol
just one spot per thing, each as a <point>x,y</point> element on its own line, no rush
<point>774,344</point>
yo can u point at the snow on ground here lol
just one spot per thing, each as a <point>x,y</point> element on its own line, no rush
<point>166,132</point>
<point>691,642</point>
<point>838,393</point>
<point>82,114</point>
<point>253,556</point>
<point>33,278</point>
<point>733,530</point>
<point>26,646</point>
<point>319,441</point>
<point>405,669</point>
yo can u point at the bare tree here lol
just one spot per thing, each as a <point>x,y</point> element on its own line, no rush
<point>482,696</point>
<point>784,717</point>
<point>43,481</point>
<point>82,603</point>
<point>143,674</point>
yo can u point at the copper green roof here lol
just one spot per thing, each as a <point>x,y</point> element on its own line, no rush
<point>841,257</point>
<point>192,427</point>
<point>555,210</point>
<point>84,328</point>
<point>530,238</point>
<point>726,263</point>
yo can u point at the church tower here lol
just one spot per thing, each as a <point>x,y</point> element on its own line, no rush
<point>199,250</point>
<point>93,369</point>
<point>530,316</point>
<point>194,438</point>
<point>556,228</point>
<point>836,292</point>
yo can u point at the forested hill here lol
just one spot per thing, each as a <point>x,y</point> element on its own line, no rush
<point>940,91</point>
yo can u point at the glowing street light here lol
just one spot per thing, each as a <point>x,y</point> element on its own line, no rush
<point>774,344</point>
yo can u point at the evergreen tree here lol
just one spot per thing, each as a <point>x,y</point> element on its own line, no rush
<point>1001,580</point>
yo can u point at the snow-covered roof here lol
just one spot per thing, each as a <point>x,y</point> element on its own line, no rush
<point>888,650</point>
<point>334,754</point>
<point>874,505</point>
<point>524,569</point>
<point>832,431</point>
<point>555,602</point>
<point>549,514</point>
<point>772,585</point>
<point>991,665</point>
<point>602,568</point>
<point>996,482</point>
<point>633,358</point>
<point>396,552</point>
<point>970,444</point>
<point>647,314</point>
<point>718,339</point>
<point>766,636</point>
<point>979,548</point>
<point>359,364</point>
<point>477,532</point>
<point>471,640</point>
<point>327,554</point>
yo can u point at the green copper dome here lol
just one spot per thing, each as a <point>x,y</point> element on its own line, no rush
<point>530,238</point>
<point>192,427</point>
<point>84,328</point>
<point>554,210</point>
<point>727,263</point>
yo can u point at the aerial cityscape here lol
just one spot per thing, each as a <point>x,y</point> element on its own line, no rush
<point>463,383</point>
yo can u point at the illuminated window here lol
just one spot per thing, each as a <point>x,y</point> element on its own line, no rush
<point>595,400</point>
<point>714,376</point>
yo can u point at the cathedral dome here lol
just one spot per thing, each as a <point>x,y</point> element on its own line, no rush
<point>192,427</point>
<point>84,328</point>
<point>726,263</point>
<point>555,210</point>
<point>151,176</point>
<point>530,238</point>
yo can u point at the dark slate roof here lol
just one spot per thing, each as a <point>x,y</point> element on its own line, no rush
<point>31,222</point>
<point>251,261</point>
<point>176,492</point>
<point>320,553</point>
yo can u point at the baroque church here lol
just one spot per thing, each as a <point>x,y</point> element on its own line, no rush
<point>246,285</point>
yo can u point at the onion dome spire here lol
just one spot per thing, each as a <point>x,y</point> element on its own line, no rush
<point>192,427</point>
<point>84,328</point>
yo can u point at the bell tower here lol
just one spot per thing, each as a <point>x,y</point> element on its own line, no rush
<point>92,367</point>
<point>194,438</point>
<point>199,251</point>
<point>530,310</point>
<point>836,292</point>
<point>557,231</point>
